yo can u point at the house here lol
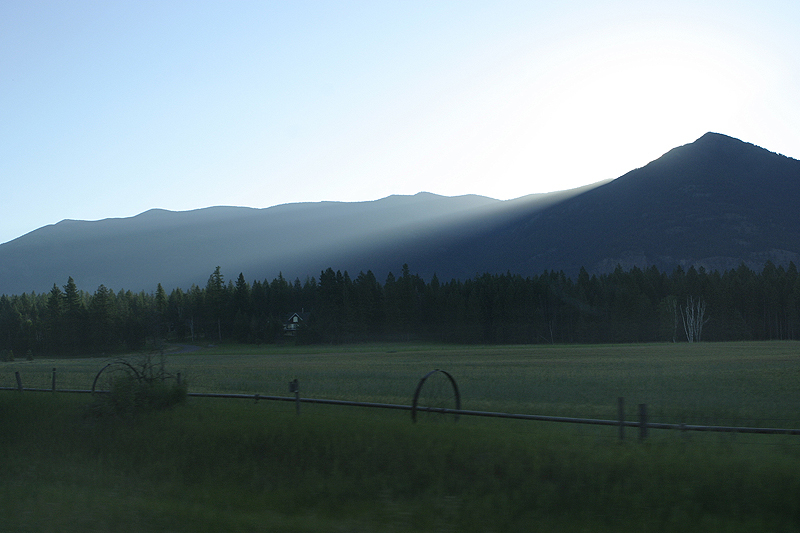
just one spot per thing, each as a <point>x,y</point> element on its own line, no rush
<point>293,323</point>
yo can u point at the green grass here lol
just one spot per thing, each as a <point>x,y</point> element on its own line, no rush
<point>240,465</point>
<point>216,465</point>
<point>725,383</point>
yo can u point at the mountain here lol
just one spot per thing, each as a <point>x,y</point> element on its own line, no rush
<point>178,249</point>
<point>716,202</point>
<point>181,248</point>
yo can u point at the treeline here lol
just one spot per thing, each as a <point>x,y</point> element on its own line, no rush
<point>623,306</point>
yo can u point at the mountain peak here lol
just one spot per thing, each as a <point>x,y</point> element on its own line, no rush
<point>716,144</point>
<point>710,143</point>
<point>712,136</point>
<point>719,140</point>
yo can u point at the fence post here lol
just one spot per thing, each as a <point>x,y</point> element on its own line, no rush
<point>19,381</point>
<point>621,417</point>
<point>54,380</point>
<point>642,421</point>
<point>179,378</point>
<point>294,386</point>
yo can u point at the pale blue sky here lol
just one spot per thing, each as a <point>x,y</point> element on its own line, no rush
<point>108,109</point>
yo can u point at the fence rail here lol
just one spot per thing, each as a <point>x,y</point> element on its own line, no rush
<point>643,424</point>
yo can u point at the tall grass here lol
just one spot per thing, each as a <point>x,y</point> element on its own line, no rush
<point>234,465</point>
<point>702,383</point>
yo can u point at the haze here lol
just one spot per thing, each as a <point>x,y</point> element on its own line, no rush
<point>111,109</point>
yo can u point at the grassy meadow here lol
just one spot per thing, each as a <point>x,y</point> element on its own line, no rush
<point>241,465</point>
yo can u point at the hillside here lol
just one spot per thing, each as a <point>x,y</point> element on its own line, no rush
<point>716,202</point>
<point>178,249</point>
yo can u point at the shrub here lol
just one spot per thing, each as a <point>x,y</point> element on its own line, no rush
<point>134,387</point>
<point>129,395</point>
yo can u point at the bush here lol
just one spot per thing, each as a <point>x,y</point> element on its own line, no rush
<point>132,388</point>
<point>129,396</point>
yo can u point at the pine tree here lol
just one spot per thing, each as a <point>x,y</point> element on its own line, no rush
<point>215,299</point>
<point>74,314</point>
<point>101,324</point>
<point>54,319</point>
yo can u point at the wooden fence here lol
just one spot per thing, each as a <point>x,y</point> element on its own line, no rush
<point>642,424</point>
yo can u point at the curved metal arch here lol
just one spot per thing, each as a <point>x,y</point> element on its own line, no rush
<point>124,363</point>
<point>419,389</point>
<point>94,383</point>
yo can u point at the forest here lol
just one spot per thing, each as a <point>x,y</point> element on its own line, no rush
<point>637,305</point>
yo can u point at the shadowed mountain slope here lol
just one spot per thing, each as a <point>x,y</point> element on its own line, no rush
<point>715,203</point>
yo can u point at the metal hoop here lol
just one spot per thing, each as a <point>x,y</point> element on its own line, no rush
<point>124,363</point>
<point>419,389</point>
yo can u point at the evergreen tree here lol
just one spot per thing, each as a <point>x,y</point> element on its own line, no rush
<point>240,306</point>
<point>159,314</point>
<point>215,301</point>
<point>54,321</point>
<point>9,324</point>
<point>74,332</point>
<point>102,323</point>
<point>175,315</point>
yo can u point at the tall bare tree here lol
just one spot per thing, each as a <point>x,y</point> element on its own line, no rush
<point>694,318</point>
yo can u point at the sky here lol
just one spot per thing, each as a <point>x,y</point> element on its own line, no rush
<point>111,108</point>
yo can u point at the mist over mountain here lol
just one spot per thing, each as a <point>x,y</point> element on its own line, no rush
<point>716,202</point>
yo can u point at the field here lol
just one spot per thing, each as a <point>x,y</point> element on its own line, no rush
<point>241,465</point>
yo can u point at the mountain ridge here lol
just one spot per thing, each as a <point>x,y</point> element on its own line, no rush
<point>716,202</point>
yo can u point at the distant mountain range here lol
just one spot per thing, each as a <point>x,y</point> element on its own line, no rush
<point>716,203</point>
